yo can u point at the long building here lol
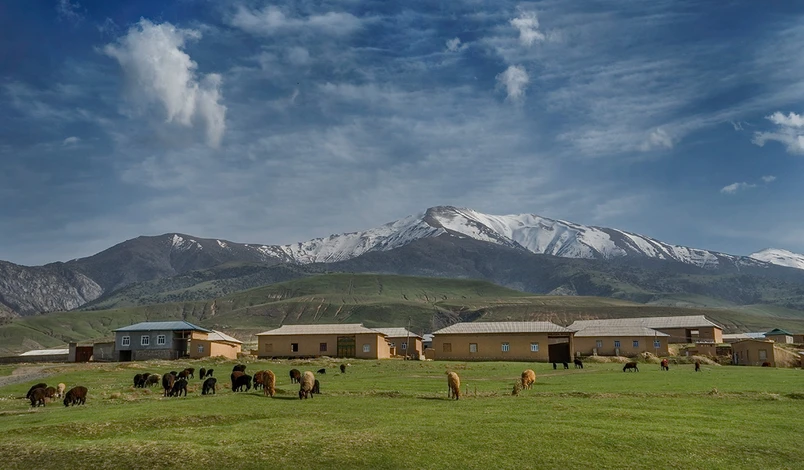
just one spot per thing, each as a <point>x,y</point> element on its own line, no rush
<point>504,341</point>
<point>682,329</point>
<point>620,341</point>
<point>335,340</point>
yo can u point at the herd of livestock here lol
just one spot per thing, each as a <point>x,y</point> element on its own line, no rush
<point>39,392</point>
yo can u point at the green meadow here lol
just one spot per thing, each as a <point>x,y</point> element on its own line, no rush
<point>395,414</point>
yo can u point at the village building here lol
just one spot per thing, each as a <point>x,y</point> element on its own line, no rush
<point>753,352</point>
<point>156,340</point>
<point>620,341</point>
<point>216,344</point>
<point>335,340</point>
<point>682,329</point>
<point>504,341</point>
<point>798,338</point>
<point>780,336</point>
<point>403,342</point>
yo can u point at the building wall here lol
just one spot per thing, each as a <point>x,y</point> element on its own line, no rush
<point>149,354</point>
<point>587,345</point>
<point>798,339</point>
<point>747,353</point>
<point>213,349</point>
<point>782,339</point>
<point>103,352</point>
<point>136,340</point>
<point>679,335</point>
<point>310,346</point>
<point>415,348</point>
<point>489,347</point>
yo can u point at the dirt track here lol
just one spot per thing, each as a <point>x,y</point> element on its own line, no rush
<point>24,374</point>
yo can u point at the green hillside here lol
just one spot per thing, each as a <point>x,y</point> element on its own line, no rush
<point>374,300</point>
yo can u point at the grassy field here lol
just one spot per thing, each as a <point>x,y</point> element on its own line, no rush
<point>395,414</point>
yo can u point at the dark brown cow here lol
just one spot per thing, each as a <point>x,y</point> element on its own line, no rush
<point>167,383</point>
<point>697,366</point>
<point>209,386</point>
<point>76,396</point>
<point>202,373</point>
<point>295,376</point>
<point>38,397</point>
<point>631,366</point>
<point>179,386</point>
<point>30,390</point>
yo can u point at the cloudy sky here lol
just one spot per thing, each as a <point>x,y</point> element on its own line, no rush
<point>271,122</point>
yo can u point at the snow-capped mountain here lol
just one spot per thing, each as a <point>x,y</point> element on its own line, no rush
<point>780,257</point>
<point>523,231</point>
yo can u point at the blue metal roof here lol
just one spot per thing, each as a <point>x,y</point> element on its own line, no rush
<point>163,326</point>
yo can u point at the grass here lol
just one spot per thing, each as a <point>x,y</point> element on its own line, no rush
<point>394,414</point>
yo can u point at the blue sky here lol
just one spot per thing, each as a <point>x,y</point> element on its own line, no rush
<point>271,122</point>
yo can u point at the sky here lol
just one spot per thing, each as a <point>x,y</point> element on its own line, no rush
<point>277,122</point>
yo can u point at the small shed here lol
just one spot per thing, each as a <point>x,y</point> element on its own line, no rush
<point>402,342</point>
<point>780,336</point>
<point>754,352</point>
<point>215,344</point>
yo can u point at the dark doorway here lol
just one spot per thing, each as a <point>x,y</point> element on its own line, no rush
<point>346,346</point>
<point>83,353</point>
<point>559,352</point>
<point>125,356</point>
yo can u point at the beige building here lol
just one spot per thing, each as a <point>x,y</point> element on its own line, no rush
<point>780,336</point>
<point>214,344</point>
<point>753,352</point>
<point>504,341</point>
<point>402,342</point>
<point>620,341</point>
<point>335,340</point>
<point>685,329</point>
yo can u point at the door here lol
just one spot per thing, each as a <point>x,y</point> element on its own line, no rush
<point>346,346</point>
<point>559,352</point>
<point>125,356</point>
<point>83,353</point>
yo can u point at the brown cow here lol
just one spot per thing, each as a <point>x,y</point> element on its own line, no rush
<point>37,397</point>
<point>167,383</point>
<point>76,396</point>
<point>269,383</point>
<point>631,366</point>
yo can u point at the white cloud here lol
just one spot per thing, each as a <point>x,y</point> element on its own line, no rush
<point>298,56</point>
<point>159,71</point>
<point>515,79</point>
<point>454,45</point>
<point>769,179</point>
<point>734,187</point>
<point>271,20</point>
<point>790,132</point>
<point>528,25</point>
<point>72,140</point>
<point>69,11</point>
<point>658,138</point>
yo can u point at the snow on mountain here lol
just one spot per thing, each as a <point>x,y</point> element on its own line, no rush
<point>523,231</point>
<point>780,257</point>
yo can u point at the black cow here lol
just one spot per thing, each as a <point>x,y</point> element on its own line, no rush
<point>202,373</point>
<point>321,371</point>
<point>76,396</point>
<point>179,386</point>
<point>241,383</point>
<point>209,386</point>
<point>295,376</point>
<point>31,390</point>
<point>578,364</point>
<point>343,368</point>
<point>316,387</point>
<point>631,366</point>
<point>38,397</point>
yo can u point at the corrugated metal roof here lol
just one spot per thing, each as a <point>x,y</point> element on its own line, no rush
<point>502,327</point>
<point>45,352</point>
<point>330,329</point>
<point>163,326</point>
<point>778,331</point>
<point>397,332</point>
<point>219,336</point>
<point>619,331</point>
<point>690,321</point>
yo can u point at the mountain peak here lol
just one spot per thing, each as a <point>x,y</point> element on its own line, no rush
<point>780,257</point>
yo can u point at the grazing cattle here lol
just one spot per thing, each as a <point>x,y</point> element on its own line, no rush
<point>566,366</point>
<point>307,383</point>
<point>239,368</point>
<point>76,396</point>
<point>528,378</point>
<point>145,377</point>
<point>343,368</point>
<point>578,364</point>
<point>60,388</point>
<point>321,371</point>
<point>665,364</point>
<point>191,370</point>
<point>295,376</point>
<point>137,380</point>
<point>179,386</point>
<point>242,383</point>
<point>454,385</point>
<point>316,387</point>
<point>50,392</point>
<point>233,377</point>
<point>174,373</point>
<point>167,383</point>
<point>202,373</point>
<point>766,364</point>
<point>209,372</point>
<point>30,390</point>
<point>631,366</point>
<point>185,374</point>
<point>698,366</point>
<point>270,383</point>
<point>38,397</point>
<point>259,380</point>
<point>153,379</point>
<point>209,386</point>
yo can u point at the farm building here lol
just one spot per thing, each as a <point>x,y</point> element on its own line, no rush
<point>734,337</point>
<point>753,352</point>
<point>214,345</point>
<point>684,329</point>
<point>798,338</point>
<point>620,341</point>
<point>402,342</point>
<point>336,340</point>
<point>156,340</point>
<point>780,336</point>
<point>504,341</point>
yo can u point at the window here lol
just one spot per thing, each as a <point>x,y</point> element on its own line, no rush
<point>125,341</point>
<point>145,340</point>
<point>404,346</point>
<point>616,344</point>
<point>160,340</point>
<point>269,347</point>
<point>657,344</point>
<point>534,347</point>
<point>763,354</point>
<point>472,347</point>
<point>506,347</point>
<point>200,349</point>
<point>322,347</point>
<point>447,347</point>
<point>599,344</point>
<point>636,343</point>
<point>294,347</point>
<point>366,348</point>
